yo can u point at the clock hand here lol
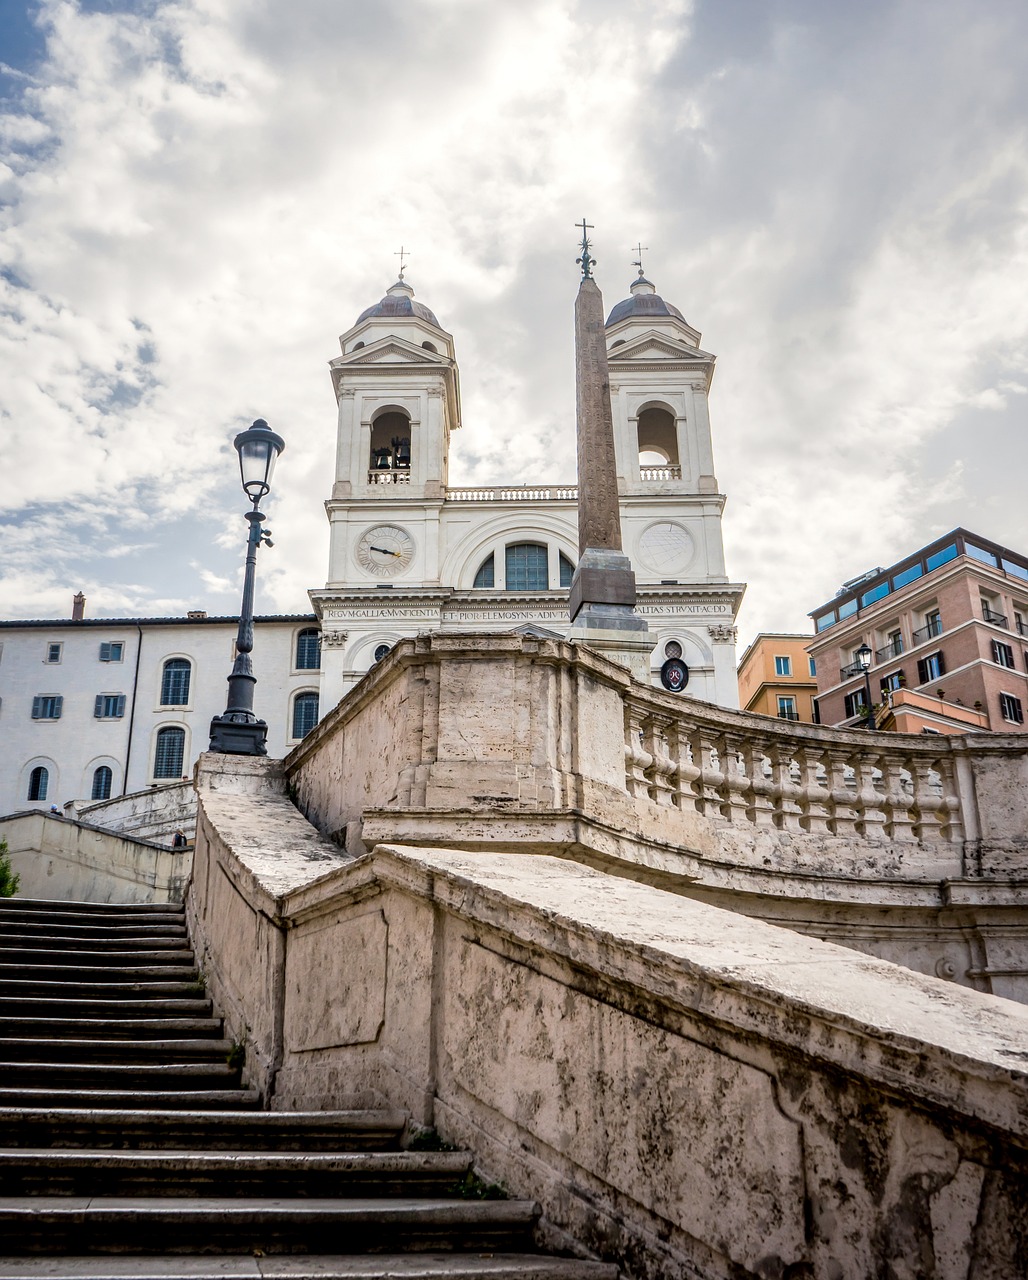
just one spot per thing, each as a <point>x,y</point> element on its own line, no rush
<point>384,550</point>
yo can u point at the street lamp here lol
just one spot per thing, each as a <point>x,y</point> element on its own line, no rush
<point>863,657</point>
<point>238,732</point>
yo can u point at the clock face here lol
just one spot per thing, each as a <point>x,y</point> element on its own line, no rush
<point>666,548</point>
<point>385,550</point>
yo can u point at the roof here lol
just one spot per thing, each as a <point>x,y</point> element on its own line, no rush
<point>221,619</point>
<point>399,301</point>
<point>646,302</point>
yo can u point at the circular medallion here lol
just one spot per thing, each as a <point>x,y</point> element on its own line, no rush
<point>674,675</point>
<point>384,550</point>
<point>666,548</point>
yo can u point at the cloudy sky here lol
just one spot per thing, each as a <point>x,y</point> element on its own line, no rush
<point>198,196</point>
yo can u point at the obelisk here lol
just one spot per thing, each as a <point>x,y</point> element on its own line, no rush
<point>602,599</point>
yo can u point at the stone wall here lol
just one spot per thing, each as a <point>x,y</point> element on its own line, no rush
<point>908,847</point>
<point>60,858</point>
<point>155,813</point>
<point>686,1092</point>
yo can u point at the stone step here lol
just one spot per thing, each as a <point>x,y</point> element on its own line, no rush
<point>139,984</point>
<point>101,1224</point>
<point>64,1002</point>
<point>381,1266</point>
<point>23,919</point>
<point>227,1174</point>
<point>110,1075</point>
<point>74,907</point>
<point>109,1028</point>
<point>87,935</point>
<point>75,958</point>
<point>94,976</point>
<point>40,1050</point>
<point>22,1126</point>
<point>125,1098</point>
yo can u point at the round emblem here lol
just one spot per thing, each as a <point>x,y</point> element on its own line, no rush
<point>665,548</point>
<point>674,675</point>
<point>384,550</point>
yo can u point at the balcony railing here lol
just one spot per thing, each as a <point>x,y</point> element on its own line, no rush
<point>389,476</point>
<point>854,669</point>
<point>934,628</point>
<point>997,619</point>
<point>1022,628</point>
<point>891,650</point>
<point>660,473</point>
<point>524,493</point>
<point>788,715</point>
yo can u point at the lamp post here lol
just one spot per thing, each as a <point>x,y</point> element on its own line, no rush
<point>863,656</point>
<point>238,732</point>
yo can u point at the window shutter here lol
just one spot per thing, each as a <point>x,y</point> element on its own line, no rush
<point>98,706</point>
<point>120,709</point>
<point>58,705</point>
<point>922,671</point>
<point>37,707</point>
<point>942,665</point>
<point>105,651</point>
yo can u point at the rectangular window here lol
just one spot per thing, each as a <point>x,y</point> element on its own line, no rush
<point>855,703</point>
<point>109,706</point>
<point>787,709</point>
<point>813,666</point>
<point>894,680</point>
<point>53,652</point>
<point>112,650</point>
<point>907,575</point>
<point>47,706</point>
<point>1018,570</point>
<point>1002,653</point>
<point>783,666</point>
<point>825,621</point>
<point>942,557</point>
<point>875,593</point>
<point>979,553</point>
<point>930,668</point>
<point>1011,709</point>
<point>848,609</point>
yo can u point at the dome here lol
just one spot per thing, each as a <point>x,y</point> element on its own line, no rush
<point>399,301</point>
<point>645,301</point>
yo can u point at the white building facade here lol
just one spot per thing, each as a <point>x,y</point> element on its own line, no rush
<point>410,553</point>
<point>97,707</point>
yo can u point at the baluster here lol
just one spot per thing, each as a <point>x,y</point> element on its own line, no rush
<point>927,802</point>
<point>843,809</point>
<point>689,794</point>
<point>815,798</point>
<point>660,770</point>
<point>870,801</point>
<point>785,790</point>
<point>736,786</point>
<point>899,820</point>
<point>637,761</point>
<point>952,814</point>
<point>761,809</point>
<point>702,742</point>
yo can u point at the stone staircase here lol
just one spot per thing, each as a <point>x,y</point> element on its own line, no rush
<point>129,1145</point>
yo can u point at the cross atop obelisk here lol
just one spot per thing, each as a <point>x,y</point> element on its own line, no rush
<point>602,598</point>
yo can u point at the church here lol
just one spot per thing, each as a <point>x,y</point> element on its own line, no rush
<point>411,553</point>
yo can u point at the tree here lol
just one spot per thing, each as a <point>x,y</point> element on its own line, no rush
<point>9,880</point>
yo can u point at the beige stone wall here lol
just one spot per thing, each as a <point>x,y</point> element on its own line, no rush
<point>59,858</point>
<point>685,1091</point>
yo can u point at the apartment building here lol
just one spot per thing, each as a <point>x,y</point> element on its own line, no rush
<point>777,677</point>
<point>947,631</point>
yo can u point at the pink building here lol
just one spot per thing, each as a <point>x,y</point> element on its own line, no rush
<point>948,632</point>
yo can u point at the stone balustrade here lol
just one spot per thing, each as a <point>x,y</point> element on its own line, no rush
<point>666,472</point>
<point>522,493</point>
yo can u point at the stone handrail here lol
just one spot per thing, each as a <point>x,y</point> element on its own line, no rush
<point>758,771</point>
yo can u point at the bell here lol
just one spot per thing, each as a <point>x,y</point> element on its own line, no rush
<point>402,446</point>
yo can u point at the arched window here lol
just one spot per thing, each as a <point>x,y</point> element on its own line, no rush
<point>305,714</point>
<point>381,650</point>
<point>527,568</point>
<point>39,780</point>
<point>567,570</point>
<point>168,757</point>
<point>102,779</point>
<point>175,682</point>
<point>486,576</point>
<point>308,650</point>
<point>658,439</point>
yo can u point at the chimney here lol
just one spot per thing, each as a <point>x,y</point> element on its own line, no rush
<point>78,607</point>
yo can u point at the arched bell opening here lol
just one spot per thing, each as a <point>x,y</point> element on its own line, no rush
<point>658,438</point>
<point>390,442</point>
